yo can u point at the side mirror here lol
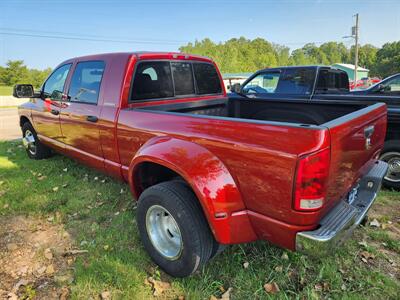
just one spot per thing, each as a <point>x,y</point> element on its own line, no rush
<point>380,88</point>
<point>56,95</point>
<point>23,91</point>
<point>235,88</point>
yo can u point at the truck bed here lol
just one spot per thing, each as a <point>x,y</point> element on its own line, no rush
<point>277,110</point>
<point>278,132</point>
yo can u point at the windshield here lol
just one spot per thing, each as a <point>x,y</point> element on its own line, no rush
<point>262,83</point>
<point>297,81</point>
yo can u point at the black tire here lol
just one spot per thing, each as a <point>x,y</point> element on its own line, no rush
<point>196,237</point>
<point>41,151</point>
<point>391,150</point>
<point>217,249</point>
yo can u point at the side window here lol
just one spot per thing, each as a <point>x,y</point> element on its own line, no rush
<point>85,82</point>
<point>152,80</point>
<point>393,86</point>
<point>56,81</point>
<point>207,79</point>
<point>264,83</point>
<point>296,81</point>
<point>183,78</point>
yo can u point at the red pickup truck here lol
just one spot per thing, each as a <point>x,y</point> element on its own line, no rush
<point>208,170</point>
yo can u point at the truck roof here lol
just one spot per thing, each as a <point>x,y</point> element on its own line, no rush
<point>141,55</point>
<point>296,67</point>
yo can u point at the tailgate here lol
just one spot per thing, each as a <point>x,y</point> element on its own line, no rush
<point>356,140</point>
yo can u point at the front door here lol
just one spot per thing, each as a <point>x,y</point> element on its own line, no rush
<point>80,114</point>
<point>46,116</point>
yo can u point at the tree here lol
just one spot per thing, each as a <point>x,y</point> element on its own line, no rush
<point>298,58</point>
<point>335,52</point>
<point>387,60</point>
<point>15,72</point>
<point>314,54</point>
<point>244,55</point>
<point>37,77</point>
<point>240,55</point>
<point>366,56</point>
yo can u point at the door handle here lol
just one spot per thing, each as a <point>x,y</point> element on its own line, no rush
<point>92,119</point>
<point>55,112</point>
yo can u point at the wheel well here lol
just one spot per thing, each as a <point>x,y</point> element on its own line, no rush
<point>148,174</point>
<point>23,120</point>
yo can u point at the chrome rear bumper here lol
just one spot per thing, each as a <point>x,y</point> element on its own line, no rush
<point>340,222</point>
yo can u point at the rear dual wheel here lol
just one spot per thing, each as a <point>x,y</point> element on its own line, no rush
<point>173,228</point>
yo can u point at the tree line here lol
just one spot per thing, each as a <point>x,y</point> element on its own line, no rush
<point>244,55</point>
<point>16,71</point>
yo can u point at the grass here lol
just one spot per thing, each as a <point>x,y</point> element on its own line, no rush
<point>6,90</point>
<point>101,218</point>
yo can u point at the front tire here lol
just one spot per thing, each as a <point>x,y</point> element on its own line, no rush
<point>391,155</point>
<point>34,148</point>
<point>173,228</point>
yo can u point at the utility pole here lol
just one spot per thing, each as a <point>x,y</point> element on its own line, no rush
<point>355,34</point>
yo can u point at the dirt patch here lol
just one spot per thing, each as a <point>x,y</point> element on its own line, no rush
<point>33,263</point>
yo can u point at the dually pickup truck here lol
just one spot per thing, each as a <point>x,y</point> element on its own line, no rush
<point>207,170</point>
<point>323,83</point>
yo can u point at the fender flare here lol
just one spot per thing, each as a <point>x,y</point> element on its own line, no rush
<point>208,177</point>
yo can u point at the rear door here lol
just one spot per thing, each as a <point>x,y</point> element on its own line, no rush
<point>79,117</point>
<point>46,117</point>
<point>356,139</point>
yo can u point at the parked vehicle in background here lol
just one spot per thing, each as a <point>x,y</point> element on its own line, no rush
<point>389,86</point>
<point>316,83</point>
<point>363,83</point>
<point>303,178</point>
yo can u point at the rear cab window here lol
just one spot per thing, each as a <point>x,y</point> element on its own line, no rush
<point>332,81</point>
<point>207,79</point>
<point>155,80</point>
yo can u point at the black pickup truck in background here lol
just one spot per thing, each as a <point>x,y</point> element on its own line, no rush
<point>323,83</point>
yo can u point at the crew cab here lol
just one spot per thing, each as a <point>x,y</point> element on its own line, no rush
<point>324,83</point>
<point>208,170</point>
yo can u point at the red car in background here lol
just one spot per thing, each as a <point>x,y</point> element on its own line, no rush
<point>363,83</point>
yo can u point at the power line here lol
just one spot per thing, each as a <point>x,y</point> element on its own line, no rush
<point>96,38</point>
<point>84,35</point>
<point>90,39</point>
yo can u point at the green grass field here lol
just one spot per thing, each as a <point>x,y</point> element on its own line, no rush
<point>6,90</point>
<point>99,214</point>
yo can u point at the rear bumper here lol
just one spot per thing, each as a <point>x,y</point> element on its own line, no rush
<point>338,225</point>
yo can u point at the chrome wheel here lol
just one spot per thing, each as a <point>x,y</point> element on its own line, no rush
<point>393,160</point>
<point>29,142</point>
<point>164,232</point>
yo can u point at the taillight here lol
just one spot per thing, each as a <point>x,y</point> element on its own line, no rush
<point>311,180</point>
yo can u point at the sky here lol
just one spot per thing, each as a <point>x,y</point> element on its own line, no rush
<point>43,33</point>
